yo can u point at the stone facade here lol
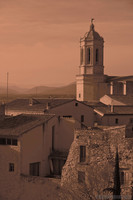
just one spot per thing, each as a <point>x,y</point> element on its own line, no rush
<point>96,171</point>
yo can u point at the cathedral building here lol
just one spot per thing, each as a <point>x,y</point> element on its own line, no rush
<point>91,82</point>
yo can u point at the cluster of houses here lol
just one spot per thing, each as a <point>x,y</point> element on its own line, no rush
<point>37,136</point>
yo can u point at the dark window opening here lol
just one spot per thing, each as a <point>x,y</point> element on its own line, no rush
<point>97,55</point>
<point>3,141</point>
<point>14,142</point>
<point>53,137</point>
<point>116,120</point>
<point>82,153</point>
<point>82,118</point>
<point>67,116</point>
<point>81,177</point>
<point>81,56</point>
<point>8,141</point>
<point>76,104</point>
<point>89,55</point>
<point>11,167</point>
<point>79,95</point>
<point>122,178</point>
<point>34,169</point>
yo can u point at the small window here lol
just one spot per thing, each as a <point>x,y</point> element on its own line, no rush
<point>88,55</point>
<point>82,153</point>
<point>8,142</point>
<point>3,141</point>
<point>116,120</point>
<point>81,177</point>
<point>76,104</point>
<point>97,55</point>
<point>14,142</point>
<point>81,56</point>
<point>79,95</point>
<point>82,118</point>
<point>122,178</point>
<point>11,167</point>
<point>34,169</point>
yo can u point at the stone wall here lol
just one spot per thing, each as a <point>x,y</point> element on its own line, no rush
<point>99,166</point>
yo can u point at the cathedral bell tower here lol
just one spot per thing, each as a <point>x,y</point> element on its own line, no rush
<point>91,70</point>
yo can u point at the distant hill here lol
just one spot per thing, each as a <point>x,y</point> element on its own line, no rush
<point>64,90</point>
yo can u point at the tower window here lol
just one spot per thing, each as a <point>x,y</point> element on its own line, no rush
<point>88,55</point>
<point>79,95</point>
<point>97,52</point>
<point>81,56</point>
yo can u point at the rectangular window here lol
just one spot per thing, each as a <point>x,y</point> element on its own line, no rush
<point>53,137</point>
<point>81,56</point>
<point>82,118</point>
<point>14,142</point>
<point>116,120</point>
<point>8,141</point>
<point>34,169</point>
<point>81,177</point>
<point>76,104</point>
<point>79,95</point>
<point>11,167</point>
<point>3,141</point>
<point>82,153</point>
<point>97,55</point>
<point>89,55</point>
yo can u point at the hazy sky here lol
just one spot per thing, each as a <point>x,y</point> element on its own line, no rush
<point>39,39</point>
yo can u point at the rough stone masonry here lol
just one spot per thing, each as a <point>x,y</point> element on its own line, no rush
<point>96,171</point>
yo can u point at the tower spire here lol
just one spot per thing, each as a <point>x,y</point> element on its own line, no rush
<point>92,25</point>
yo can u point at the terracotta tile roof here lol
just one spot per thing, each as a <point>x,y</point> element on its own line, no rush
<point>21,123</point>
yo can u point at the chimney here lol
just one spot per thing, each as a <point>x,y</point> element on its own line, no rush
<point>112,108</point>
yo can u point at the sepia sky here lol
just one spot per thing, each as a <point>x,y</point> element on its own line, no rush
<point>39,39</point>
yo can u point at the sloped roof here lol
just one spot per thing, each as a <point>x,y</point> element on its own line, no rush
<point>21,123</point>
<point>117,110</point>
<point>36,104</point>
<point>124,99</point>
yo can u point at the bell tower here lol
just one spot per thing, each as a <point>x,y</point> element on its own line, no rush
<point>91,70</point>
<point>91,52</point>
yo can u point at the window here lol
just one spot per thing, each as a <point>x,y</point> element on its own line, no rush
<point>3,141</point>
<point>11,167</point>
<point>14,142</point>
<point>79,95</point>
<point>116,120</point>
<point>81,56</point>
<point>82,118</point>
<point>81,177</point>
<point>34,169</point>
<point>53,137</point>
<point>97,55</point>
<point>76,104</point>
<point>88,55</point>
<point>8,141</point>
<point>82,153</point>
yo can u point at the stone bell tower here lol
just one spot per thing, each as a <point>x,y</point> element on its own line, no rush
<point>90,82</point>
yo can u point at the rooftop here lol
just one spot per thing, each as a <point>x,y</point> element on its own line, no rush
<point>21,123</point>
